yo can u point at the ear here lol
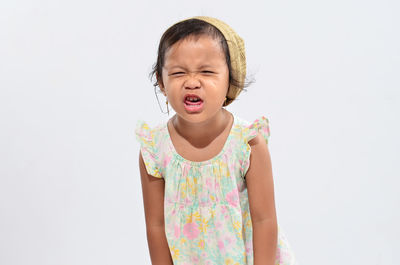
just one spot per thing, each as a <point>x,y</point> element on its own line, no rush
<point>160,84</point>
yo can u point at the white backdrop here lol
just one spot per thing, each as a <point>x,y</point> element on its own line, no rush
<point>74,81</point>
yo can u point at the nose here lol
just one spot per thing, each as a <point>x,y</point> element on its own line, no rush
<point>192,82</point>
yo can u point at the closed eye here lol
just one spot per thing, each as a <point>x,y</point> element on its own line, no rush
<point>177,73</point>
<point>207,72</point>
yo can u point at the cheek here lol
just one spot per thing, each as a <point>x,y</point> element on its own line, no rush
<point>223,82</point>
<point>225,78</point>
<point>172,83</point>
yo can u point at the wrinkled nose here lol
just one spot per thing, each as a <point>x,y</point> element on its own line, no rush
<point>192,82</point>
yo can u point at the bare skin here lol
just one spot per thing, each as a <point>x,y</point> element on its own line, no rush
<point>198,66</point>
<point>153,200</point>
<point>204,148</point>
<point>260,189</point>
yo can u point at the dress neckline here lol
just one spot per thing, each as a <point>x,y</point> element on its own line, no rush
<point>208,161</point>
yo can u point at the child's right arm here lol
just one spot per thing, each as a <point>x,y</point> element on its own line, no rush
<point>153,200</point>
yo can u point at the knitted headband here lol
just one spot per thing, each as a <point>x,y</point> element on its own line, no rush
<point>237,55</point>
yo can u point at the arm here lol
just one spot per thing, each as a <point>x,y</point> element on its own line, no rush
<point>260,188</point>
<point>153,200</point>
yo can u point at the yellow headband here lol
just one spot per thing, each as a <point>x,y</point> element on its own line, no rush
<point>237,55</point>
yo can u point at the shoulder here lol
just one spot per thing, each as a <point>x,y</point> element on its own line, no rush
<point>254,132</point>
<point>152,140</point>
<point>144,129</point>
<point>149,136</point>
<point>258,142</point>
<point>254,136</point>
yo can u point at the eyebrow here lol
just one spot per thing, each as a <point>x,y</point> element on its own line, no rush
<point>184,68</point>
<point>206,66</point>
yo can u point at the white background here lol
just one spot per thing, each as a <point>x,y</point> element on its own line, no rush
<point>74,81</point>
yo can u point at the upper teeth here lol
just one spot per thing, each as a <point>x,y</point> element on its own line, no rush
<point>192,98</point>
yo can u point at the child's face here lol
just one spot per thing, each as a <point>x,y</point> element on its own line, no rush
<point>195,65</point>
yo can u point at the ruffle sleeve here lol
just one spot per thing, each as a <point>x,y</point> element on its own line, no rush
<point>145,137</point>
<point>260,125</point>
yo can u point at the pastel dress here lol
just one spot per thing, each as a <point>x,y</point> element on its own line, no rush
<point>206,207</point>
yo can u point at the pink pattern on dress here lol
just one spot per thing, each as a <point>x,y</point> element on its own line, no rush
<point>191,230</point>
<point>206,207</point>
<point>177,231</point>
<point>233,198</point>
<point>221,246</point>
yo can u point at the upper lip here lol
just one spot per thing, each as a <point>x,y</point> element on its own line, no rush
<point>192,95</point>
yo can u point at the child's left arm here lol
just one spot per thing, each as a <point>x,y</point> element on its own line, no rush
<point>260,188</point>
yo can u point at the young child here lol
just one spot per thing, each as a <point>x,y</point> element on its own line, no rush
<point>206,173</point>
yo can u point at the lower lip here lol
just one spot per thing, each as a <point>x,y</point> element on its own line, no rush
<point>193,107</point>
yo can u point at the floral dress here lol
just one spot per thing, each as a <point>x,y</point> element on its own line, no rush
<point>206,207</point>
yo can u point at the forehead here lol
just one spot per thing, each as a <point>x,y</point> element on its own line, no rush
<point>193,49</point>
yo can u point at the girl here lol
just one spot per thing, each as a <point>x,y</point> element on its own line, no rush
<point>206,173</point>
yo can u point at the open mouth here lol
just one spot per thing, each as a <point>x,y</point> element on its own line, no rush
<point>192,100</point>
<point>193,103</point>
